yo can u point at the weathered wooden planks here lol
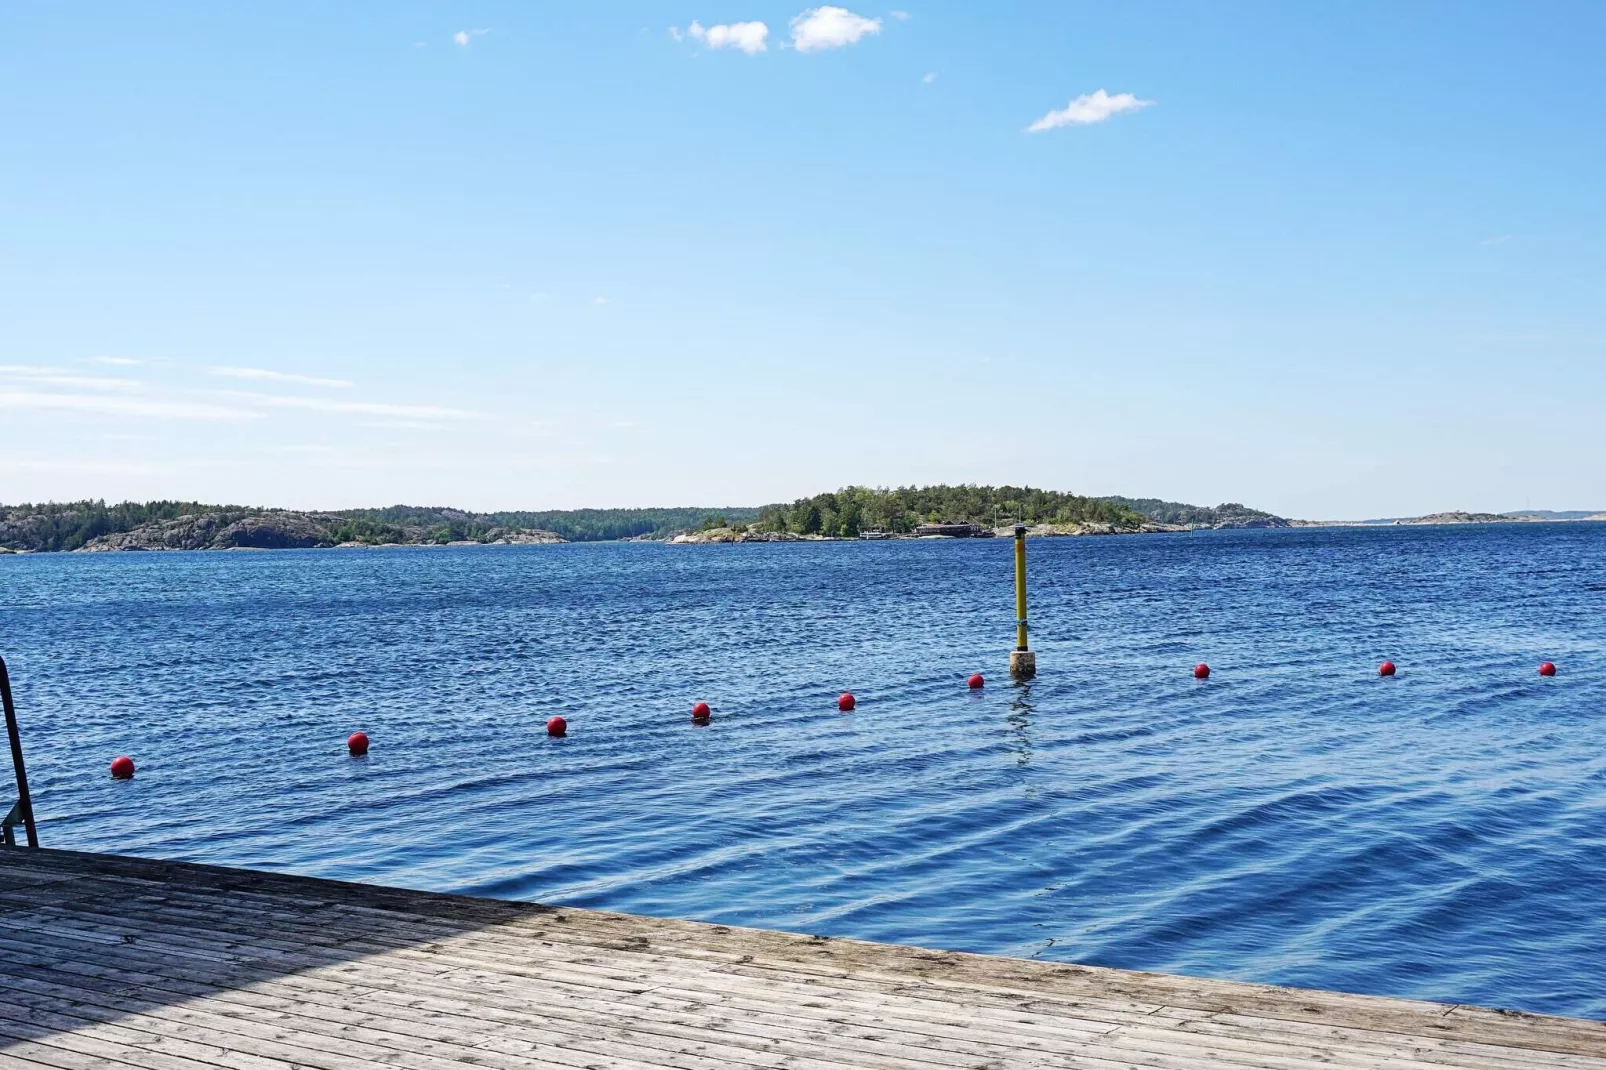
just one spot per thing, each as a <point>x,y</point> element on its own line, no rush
<point>114,962</point>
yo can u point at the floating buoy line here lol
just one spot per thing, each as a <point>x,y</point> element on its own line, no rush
<point>122,767</point>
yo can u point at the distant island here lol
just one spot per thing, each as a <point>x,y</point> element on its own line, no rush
<point>91,526</point>
<point>94,526</point>
<point>849,513</point>
<point>855,512</point>
<point>1534,516</point>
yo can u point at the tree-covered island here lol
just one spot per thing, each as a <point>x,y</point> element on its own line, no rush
<point>846,513</point>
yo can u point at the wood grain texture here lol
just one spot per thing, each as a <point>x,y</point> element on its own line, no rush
<point>112,962</point>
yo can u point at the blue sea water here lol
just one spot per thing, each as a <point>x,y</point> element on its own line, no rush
<point>1294,819</point>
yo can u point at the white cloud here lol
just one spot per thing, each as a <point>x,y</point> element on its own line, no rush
<point>749,37</point>
<point>405,425</point>
<point>929,78</point>
<point>84,382</point>
<point>120,362</point>
<point>27,373</point>
<point>463,37</point>
<point>277,377</point>
<point>901,16</point>
<point>675,34</point>
<point>599,300</point>
<point>121,406</point>
<point>1088,108</point>
<point>366,408</point>
<point>79,468</point>
<point>830,27</point>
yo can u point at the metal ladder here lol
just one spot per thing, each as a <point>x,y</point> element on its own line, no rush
<point>21,812</point>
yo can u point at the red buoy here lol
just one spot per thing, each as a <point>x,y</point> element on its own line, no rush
<point>846,702</point>
<point>701,712</point>
<point>557,726</point>
<point>1386,669</point>
<point>357,744</point>
<point>122,767</point>
<point>1547,669</point>
<point>1201,671</point>
<point>977,681</point>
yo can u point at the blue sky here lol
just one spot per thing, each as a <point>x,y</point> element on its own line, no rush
<point>1335,260</point>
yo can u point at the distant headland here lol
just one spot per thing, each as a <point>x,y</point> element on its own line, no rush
<point>939,511</point>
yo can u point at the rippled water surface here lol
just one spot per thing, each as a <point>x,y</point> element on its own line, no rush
<point>1293,819</point>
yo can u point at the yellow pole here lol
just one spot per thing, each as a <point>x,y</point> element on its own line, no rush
<point>1020,586</point>
<point>1022,662</point>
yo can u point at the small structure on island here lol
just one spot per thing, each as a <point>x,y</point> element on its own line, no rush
<point>950,529</point>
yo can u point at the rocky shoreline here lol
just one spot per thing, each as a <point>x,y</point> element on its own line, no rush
<point>240,529</point>
<point>723,536</point>
<point>271,530</point>
<point>1451,518</point>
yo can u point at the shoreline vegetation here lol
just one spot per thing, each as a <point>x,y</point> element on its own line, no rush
<point>852,513</point>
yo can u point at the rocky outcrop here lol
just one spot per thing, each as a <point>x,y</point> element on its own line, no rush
<point>219,531</point>
<point>731,535</point>
<point>287,531</point>
<point>522,537</point>
<point>1458,517</point>
<point>278,530</point>
<point>1069,530</point>
<point>1251,522</point>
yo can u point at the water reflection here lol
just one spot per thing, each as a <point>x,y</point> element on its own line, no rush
<point>1019,717</point>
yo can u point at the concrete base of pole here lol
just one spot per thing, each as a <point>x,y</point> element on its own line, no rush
<point>1022,664</point>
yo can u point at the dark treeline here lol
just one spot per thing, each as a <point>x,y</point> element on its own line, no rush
<point>854,509</point>
<point>575,525</point>
<point>68,525</point>
<point>56,526</point>
<point>1178,513</point>
<point>846,512</point>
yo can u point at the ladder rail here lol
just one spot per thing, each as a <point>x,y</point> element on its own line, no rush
<point>24,807</point>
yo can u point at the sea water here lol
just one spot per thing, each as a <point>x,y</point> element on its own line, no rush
<point>1293,819</point>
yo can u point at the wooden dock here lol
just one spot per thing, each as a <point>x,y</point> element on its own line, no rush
<point>116,962</point>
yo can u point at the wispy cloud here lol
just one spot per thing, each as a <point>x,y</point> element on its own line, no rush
<point>84,382</point>
<point>118,362</point>
<point>830,27</point>
<point>463,37</point>
<point>599,300</point>
<point>94,468</point>
<point>405,425</point>
<point>264,375</point>
<point>1088,108</point>
<point>364,408</point>
<point>930,77</point>
<point>37,376</point>
<point>111,405</point>
<point>901,16</point>
<point>749,37</point>
<point>1499,240</point>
